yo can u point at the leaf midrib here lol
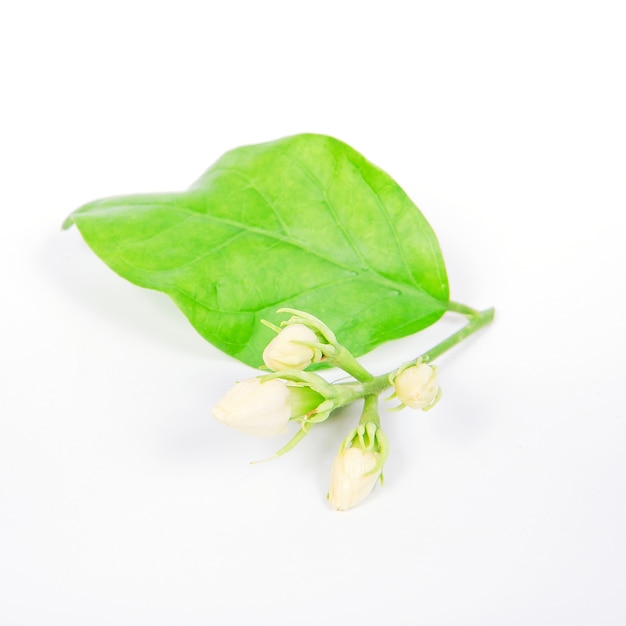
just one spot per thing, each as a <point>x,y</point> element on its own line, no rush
<point>393,285</point>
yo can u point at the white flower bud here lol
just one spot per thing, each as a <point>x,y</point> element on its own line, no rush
<point>283,354</point>
<point>350,481</point>
<point>256,407</point>
<point>417,386</point>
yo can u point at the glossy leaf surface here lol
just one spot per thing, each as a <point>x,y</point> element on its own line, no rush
<point>304,222</point>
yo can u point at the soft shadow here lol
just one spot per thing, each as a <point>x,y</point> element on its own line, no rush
<point>66,262</point>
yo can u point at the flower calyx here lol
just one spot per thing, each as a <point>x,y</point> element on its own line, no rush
<point>358,466</point>
<point>311,341</point>
<point>312,400</point>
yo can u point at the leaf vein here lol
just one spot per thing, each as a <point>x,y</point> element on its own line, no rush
<point>385,213</point>
<point>375,275</point>
<point>331,208</point>
<point>253,185</point>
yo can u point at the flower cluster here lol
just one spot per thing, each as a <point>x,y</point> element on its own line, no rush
<point>266,404</point>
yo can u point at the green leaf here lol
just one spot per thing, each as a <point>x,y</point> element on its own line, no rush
<point>304,222</point>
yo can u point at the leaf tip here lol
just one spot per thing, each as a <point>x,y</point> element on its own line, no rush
<point>68,222</point>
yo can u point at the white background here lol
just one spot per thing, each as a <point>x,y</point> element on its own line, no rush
<point>123,502</point>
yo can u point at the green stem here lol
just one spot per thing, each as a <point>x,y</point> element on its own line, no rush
<point>346,393</point>
<point>456,307</point>
<point>478,319</point>
<point>343,359</point>
<point>370,410</point>
<point>369,387</point>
